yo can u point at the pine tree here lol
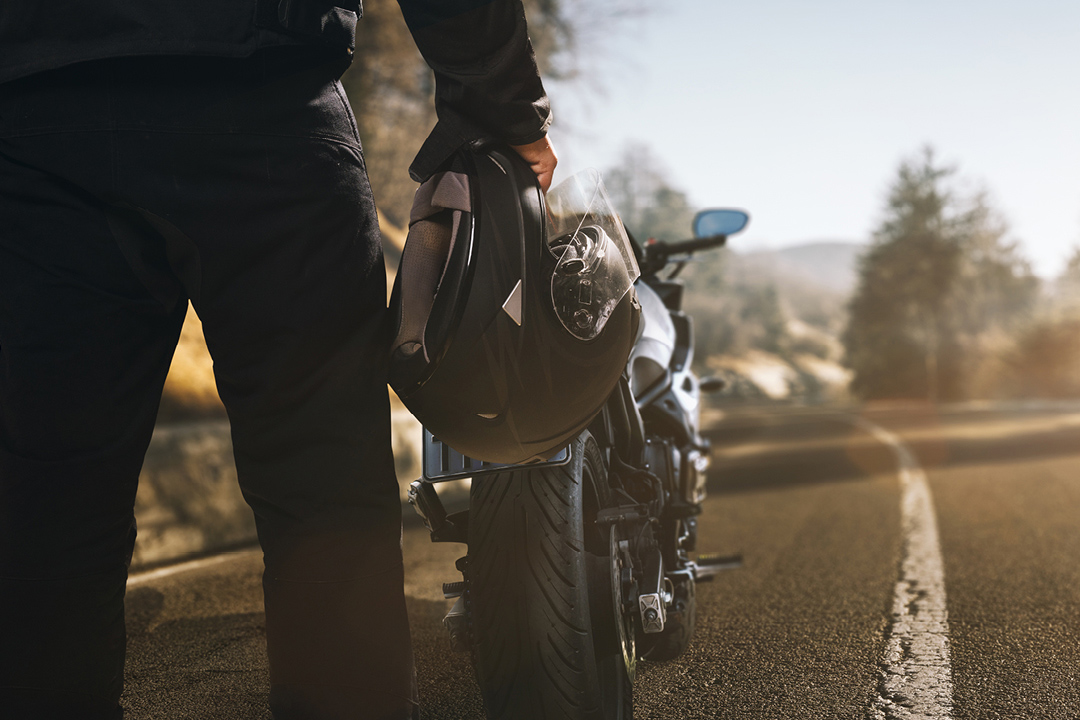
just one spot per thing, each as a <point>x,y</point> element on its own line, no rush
<point>1068,284</point>
<point>894,335</point>
<point>940,274</point>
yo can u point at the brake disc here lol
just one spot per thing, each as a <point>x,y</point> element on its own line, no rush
<point>622,582</point>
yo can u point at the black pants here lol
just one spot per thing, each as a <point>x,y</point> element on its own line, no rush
<point>128,187</point>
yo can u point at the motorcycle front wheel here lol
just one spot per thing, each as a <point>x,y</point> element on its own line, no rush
<point>539,596</point>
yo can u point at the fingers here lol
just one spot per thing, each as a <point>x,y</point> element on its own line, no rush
<point>541,158</point>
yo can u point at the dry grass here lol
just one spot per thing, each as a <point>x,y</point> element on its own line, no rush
<point>190,392</point>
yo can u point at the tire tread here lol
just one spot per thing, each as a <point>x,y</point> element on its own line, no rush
<point>533,651</point>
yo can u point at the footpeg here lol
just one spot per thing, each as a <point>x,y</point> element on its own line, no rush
<point>651,603</point>
<point>712,384</point>
<point>653,614</point>
<point>456,623</point>
<point>426,503</point>
<point>706,567</point>
<point>443,527</point>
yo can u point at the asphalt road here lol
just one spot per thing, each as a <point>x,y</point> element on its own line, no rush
<point>813,501</point>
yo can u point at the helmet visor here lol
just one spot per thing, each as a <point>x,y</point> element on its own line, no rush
<point>595,264</point>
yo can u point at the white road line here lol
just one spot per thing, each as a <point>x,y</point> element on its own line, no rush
<point>916,674</point>
<point>150,575</point>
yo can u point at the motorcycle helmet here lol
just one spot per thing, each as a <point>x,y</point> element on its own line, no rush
<point>514,314</point>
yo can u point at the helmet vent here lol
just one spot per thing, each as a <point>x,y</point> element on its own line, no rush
<point>512,306</point>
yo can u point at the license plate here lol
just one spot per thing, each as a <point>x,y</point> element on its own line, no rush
<point>442,462</point>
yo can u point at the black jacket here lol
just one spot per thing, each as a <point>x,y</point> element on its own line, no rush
<point>486,80</point>
<point>38,35</point>
<point>486,77</point>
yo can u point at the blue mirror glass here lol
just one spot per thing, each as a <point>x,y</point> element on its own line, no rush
<point>708,223</point>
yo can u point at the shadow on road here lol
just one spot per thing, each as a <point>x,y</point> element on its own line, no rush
<point>803,449</point>
<point>448,689</point>
<point>197,668</point>
<point>771,450</point>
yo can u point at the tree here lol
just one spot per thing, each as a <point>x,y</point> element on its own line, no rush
<point>649,205</point>
<point>730,316</point>
<point>939,275</point>
<point>1072,267</point>
<point>905,278</point>
<point>1045,361</point>
<point>995,286</point>
<point>390,89</point>
<point>1068,284</point>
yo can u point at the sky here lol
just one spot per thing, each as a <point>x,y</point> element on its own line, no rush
<point>801,112</point>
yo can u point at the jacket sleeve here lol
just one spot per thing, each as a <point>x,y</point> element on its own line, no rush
<point>486,79</point>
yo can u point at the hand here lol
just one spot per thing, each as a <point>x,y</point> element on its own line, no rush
<point>541,158</point>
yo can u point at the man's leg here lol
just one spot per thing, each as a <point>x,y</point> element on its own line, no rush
<point>252,177</point>
<point>84,350</point>
<point>300,361</point>
<point>276,240</point>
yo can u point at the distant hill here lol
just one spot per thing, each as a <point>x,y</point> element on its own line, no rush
<point>812,281</point>
<point>832,266</point>
<point>771,320</point>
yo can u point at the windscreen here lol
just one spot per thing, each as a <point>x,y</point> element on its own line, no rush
<point>595,264</point>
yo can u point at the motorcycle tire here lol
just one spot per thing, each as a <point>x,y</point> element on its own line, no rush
<point>539,595</point>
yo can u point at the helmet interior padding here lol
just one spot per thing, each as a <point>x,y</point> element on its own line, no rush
<point>434,225</point>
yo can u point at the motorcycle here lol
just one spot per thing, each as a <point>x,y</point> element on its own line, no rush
<point>580,566</point>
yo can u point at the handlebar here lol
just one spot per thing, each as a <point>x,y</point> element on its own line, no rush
<point>658,252</point>
<point>687,246</point>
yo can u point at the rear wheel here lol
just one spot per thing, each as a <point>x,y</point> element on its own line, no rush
<point>545,643</point>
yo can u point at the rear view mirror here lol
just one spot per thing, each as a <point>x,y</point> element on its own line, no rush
<point>709,223</point>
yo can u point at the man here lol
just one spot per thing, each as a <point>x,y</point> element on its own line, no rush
<point>156,151</point>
